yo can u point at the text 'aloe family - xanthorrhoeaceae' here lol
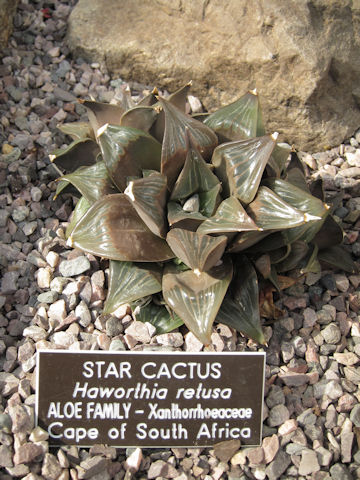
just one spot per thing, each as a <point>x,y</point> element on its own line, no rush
<point>191,212</point>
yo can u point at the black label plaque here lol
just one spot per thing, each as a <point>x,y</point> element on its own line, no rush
<point>143,399</point>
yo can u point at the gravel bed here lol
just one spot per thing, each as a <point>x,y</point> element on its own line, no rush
<point>52,297</point>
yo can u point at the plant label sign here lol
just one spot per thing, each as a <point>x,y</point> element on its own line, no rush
<point>147,399</point>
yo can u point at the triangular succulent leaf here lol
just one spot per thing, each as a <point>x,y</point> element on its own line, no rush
<point>179,218</point>
<point>195,177</point>
<point>79,153</point>
<point>240,165</point>
<point>81,208</point>
<point>314,209</point>
<point>130,281</point>
<point>111,228</point>
<point>102,113</point>
<point>160,316</point>
<point>337,257</point>
<point>240,308</point>
<point>174,147</point>
<point>77,130</point>
<point>141,118</point>
<point>197,251</point>
<point>210,200</point>
<point>196,297</point>
<point>92,182</point>
<point>270,212</point>
<point>127,151</point>
<point>229,217</point>
<point>239,120</point>
<point>148,197</point>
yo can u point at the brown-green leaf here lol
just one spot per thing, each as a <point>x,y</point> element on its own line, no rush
<point>148,197</point>
<point>210,200</point>
<point>79,211</point>
<point>92,182</point>
<point>100,114</point>
<point>196,298</point>
<point>240,120</point>
<point>111,228</point>
<point>79,153</point>
<point>141,118</point>
<point>161,316</point>
<point>240,165</point>
<point>337,257</point>
<point>127,151</point>
<point>195,177</point>
<point>299,250</point>
<point>240,308</point>
<point>174,147</point>
<point>229,217</point>
<point>270,212</point>
<point>177,217</point>
<point>314,209</point>
<point>130,281</point>
<point>311,262</point>
<point>77,130</point>
<point>330,234</point>
<point>278,158</point>
<point>244,240</point>
<point>199,252</point>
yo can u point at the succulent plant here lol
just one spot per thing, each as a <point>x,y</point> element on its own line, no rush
<point>193,212</point>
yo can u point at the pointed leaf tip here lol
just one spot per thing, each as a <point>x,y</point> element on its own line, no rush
<point>129,191</point>
<point>101,130</point>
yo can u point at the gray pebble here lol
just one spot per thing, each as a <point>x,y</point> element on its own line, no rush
<point>278,466</point>
<point>355,415</point>
<point>6,456</point>
<point>324,456</point>
<point>48,297</point>
<point>36,194</point>
<point>63,95</point>
<point>5,423</point>
<point>64,68</point>
<point>113,327</point>
<point>83,313</point>
<point>29,228</point>
<point>117,344</point>
<point>307,417</point>
<point>331,334</point>
<point>20,213</point>
<point>76,266</point>
<point>287,351</point>
<point>340,471</point>
<point>9,282</point>
<point>23,141</point>
<point>51,468</point>
<point>309,463</point>
<point>22,123</point>
<point>11,157</point>
<point>299,346</point>
<point>4,215</point>
<point>15,93</point>
<point>278,415</point>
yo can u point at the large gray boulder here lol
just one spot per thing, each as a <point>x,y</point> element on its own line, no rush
<point>7,12</point>
<point>301,55</point>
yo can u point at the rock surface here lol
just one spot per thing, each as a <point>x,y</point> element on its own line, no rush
<point>301,56</point>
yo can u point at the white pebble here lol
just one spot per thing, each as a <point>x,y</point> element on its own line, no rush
<point>44,277</point>
<point>52,259</point>
<point>57,310</point>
